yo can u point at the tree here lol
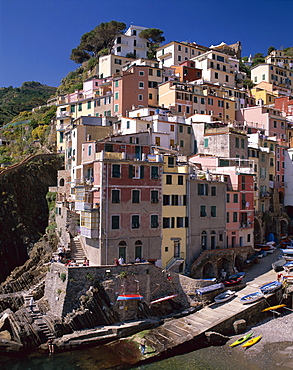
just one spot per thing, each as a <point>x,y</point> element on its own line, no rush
<point>100,38</point>
<point>270,49</point>
<point>258,58</point>
<point>154,37</point>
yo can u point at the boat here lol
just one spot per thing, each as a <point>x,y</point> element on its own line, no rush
<point>225,296</point>
<point>287,251</point>
<point>164,298</point>
<point>273,307</point>
<point>241,340</point>
<point>278,265</point>
<point>250,298</point>
<point>127,297</point>
<point>270,287</point>
<point>209,289</point>
<point>230,281</point>
<point>251,342</point>
<point>288,265</point>
<point>237,275</point>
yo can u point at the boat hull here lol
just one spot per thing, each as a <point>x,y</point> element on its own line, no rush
<point>250,298</point>
<point>274,307</point>
<point>270,287</point>
<point>224,297</point>
<point>241,340</point>
<point>251,342</point>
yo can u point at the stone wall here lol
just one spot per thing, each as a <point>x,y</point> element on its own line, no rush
<point>67,288</point>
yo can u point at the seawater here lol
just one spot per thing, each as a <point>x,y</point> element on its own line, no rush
<point>210,358</point>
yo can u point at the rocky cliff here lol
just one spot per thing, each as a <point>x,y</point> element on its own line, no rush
<point>23,207</point>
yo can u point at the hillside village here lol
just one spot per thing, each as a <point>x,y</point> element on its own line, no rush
<point>171,159</point>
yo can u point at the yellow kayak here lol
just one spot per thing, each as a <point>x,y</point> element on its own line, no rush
<point>251,342</point>
<point>273,307</point>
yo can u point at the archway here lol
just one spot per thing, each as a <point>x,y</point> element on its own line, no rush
<point>61,182</point>
<point>223,264</point>
<point>238,263</point>
<point>208,271</point>
<point>122,250</point>
<point>204,240</point>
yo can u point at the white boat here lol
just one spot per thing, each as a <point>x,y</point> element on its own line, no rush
<point>250,298</point>
<point>270,287</point>
<point>225,296</point>
<point>287,251</point>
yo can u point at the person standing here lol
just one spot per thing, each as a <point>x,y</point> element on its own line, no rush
<point>142,346</point>
<point>50,345</point>
<point>32,304</point>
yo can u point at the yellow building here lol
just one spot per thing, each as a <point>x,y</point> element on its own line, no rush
<point>174,213</point>
<point>265,96</point>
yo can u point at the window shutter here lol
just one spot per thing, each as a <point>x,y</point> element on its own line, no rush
<point>141,172</point>
<point>130,171</point>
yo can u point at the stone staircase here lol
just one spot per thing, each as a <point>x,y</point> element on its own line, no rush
<point>76,251</point>
<point>38,319</point>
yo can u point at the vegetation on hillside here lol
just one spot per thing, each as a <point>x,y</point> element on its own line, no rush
<point>32,136</point>
<point>28,96</point>
<point>98,41</point>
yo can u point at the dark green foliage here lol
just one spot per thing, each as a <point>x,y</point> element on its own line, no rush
<point>248,84</point>
<point>270,49</point>
<point>15,100</point>
<point>154,37</point>
<point>130,55</point>
<point>289,51</point>
<point>258,58</point>
<point>244,68</point>
<point>100,38</point>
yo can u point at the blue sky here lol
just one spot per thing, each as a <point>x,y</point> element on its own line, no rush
<point>37,36</point>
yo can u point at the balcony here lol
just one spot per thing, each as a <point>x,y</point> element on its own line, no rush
<point>63,114</point>
<point>245,225</point>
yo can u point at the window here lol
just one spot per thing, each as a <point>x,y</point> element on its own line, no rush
<point>172,128</point>
<point>195,99</point>
<point>227,217</point>
<point>116,95</point>
<point>166,200</point>
<point>242,143</point>
<point>179,108</point>
<point>117,61</point>
<point>179,58</point>
<point>213,191</point>
<point>179,47</point>
<point>141,73</point>
<point>213,211</point>
<point>171,161</point>
<point>150,72</point>
<point>140,97</point>
<point>154,196</point>
<point>116,108</point>
<point>135,196</point>
<point>116,83</point>
<point>202,101</point>
<point>127,124</point>
<point>216,75</point>
<point>181,144</point>
<point>89,150</point>
<point>154,172</point>
<point>166,222</point>
<point>203,211</point>
<point>235,216</point>
<point>150,96</point>
<point>158,73</point>
<point>210,101</point>
<point>220,103</point>
<point>180,222</point>
<point>189,130</point>
<point>135,222</point>
<point>243,182</point>
<point>174,198</point>
<point>227,78</point>
<point>141,85</point>
<point>168,179</point>
<point>202,189</point>
<point>235,198</point>
<point>237,142</point>
<point>154,221</point>
<point>206,143</point>
<point>228,198</point>
<point>136,172</point>
<point>116,170</point>
<point>72,108</point>
<point>115,196</point>
<point>115,222</point>
<point>180,180</point>
<point>79,107</point>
